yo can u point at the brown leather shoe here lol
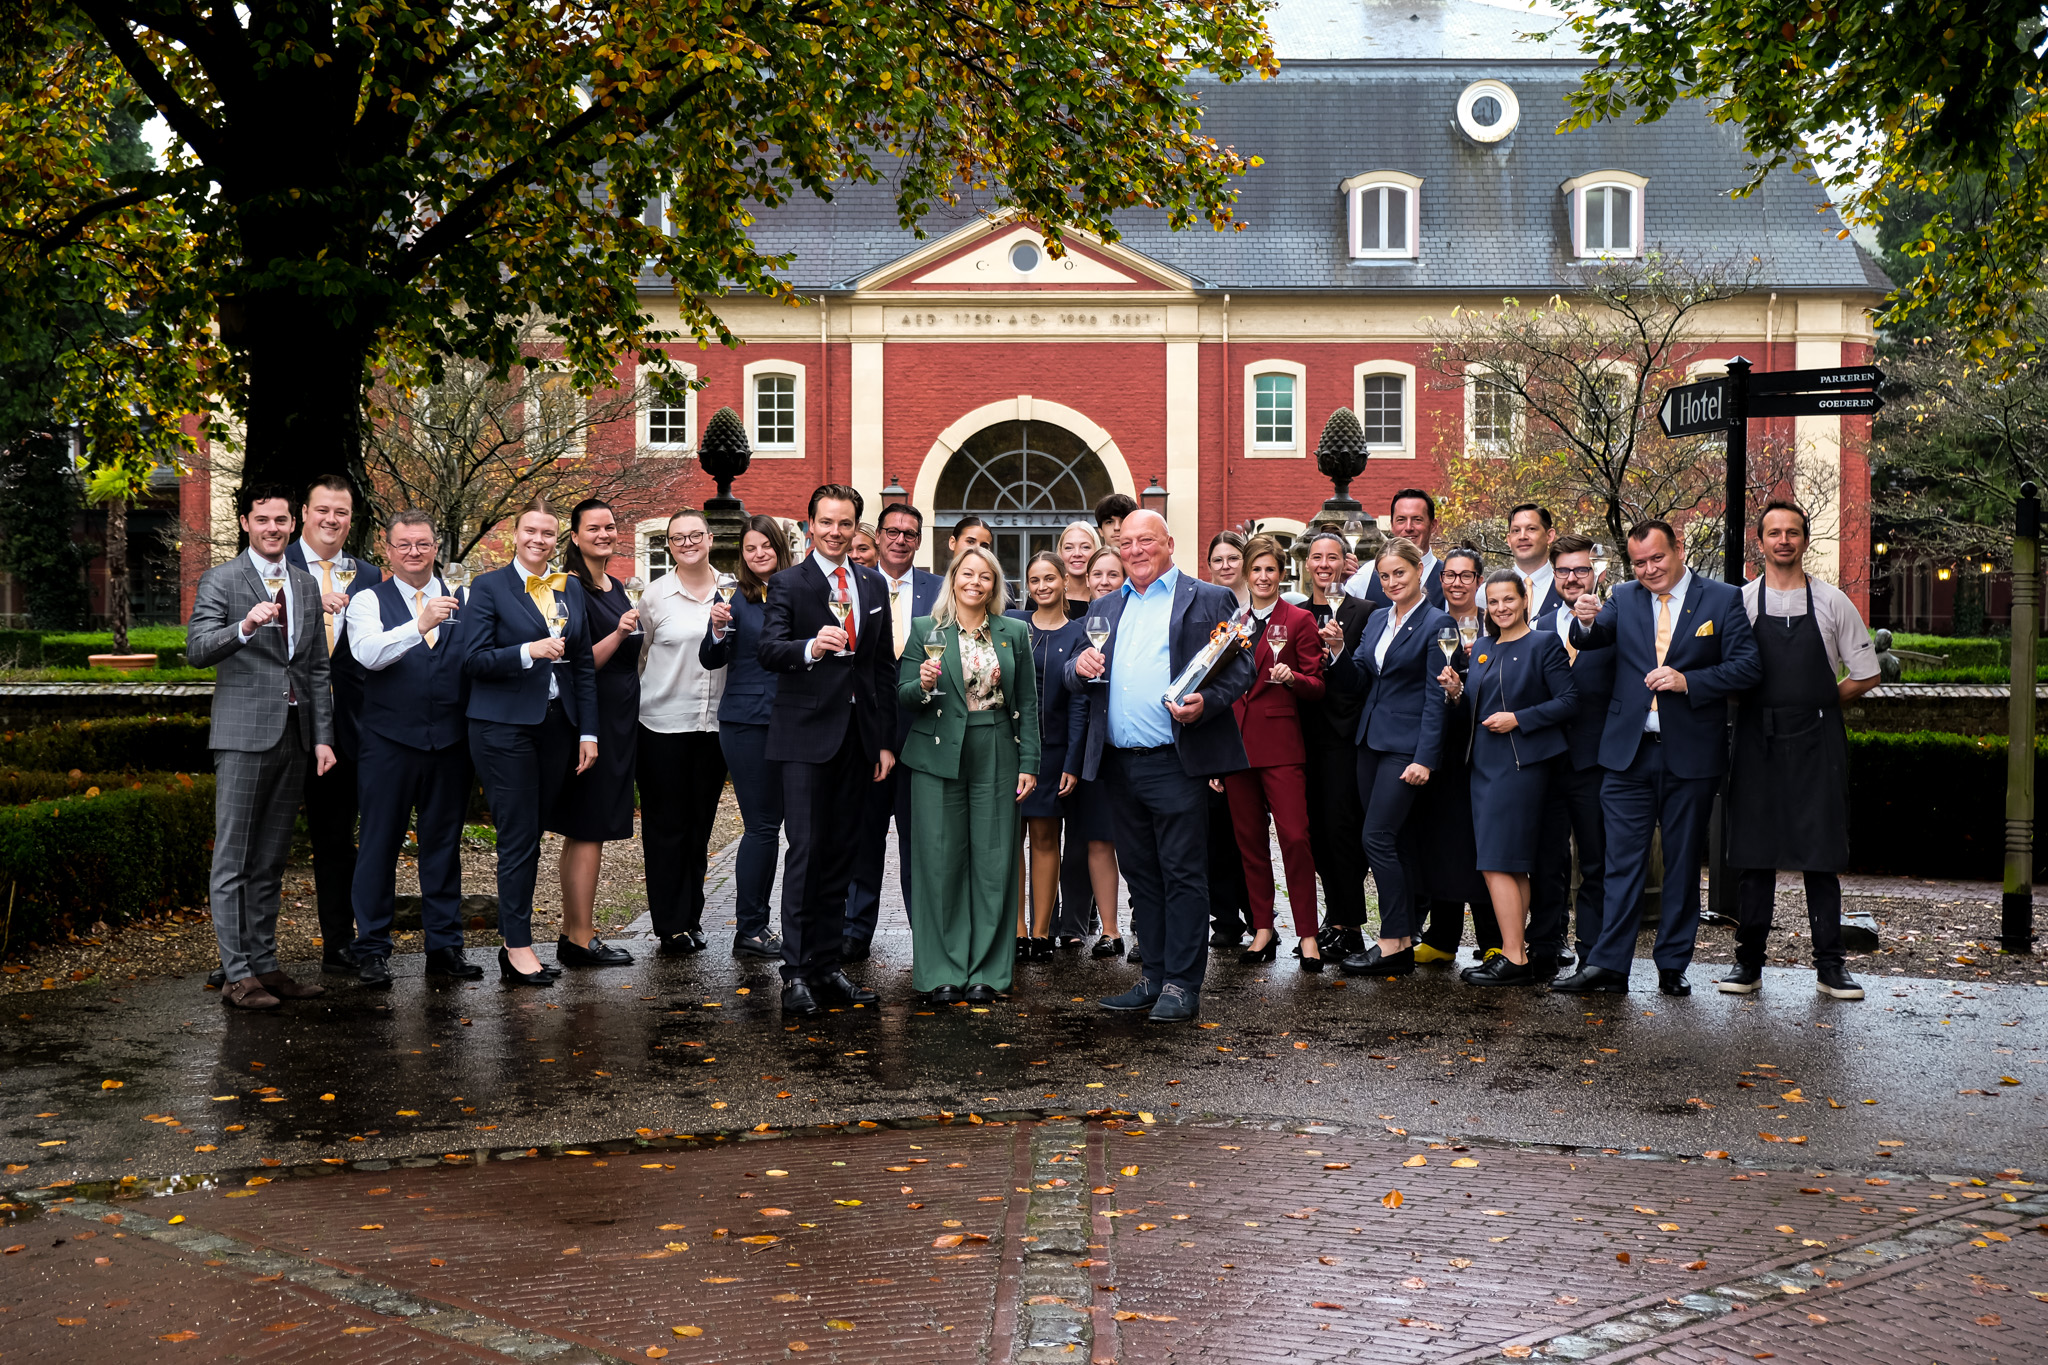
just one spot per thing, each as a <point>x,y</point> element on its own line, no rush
<point>284,988</point>
<point>247,994</point>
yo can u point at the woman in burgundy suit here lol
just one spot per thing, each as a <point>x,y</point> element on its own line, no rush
<point>1289,658</point>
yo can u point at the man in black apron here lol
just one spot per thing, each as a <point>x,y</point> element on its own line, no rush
<point>1788,784</point>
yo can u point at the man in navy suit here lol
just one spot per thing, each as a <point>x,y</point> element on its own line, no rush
<point>834,731</point>
<point>405,635</point>
<point>1572,814</point>
<point>1159,757</point>
<point>1411,516</point>
<point>912,592</point>
<point>1683,646</point>
<point>1529,540</point>
<point>326,513</point>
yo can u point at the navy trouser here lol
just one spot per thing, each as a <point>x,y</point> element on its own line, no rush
<point>399,780</point>
<point>524,768</point>
<point>1634,803</point>
<point>821,809</point>
<point>757,782</point>
<point>1572,813</point>
<point>1162,846</point>
<point>1388,803</point>
<point>888,800</point>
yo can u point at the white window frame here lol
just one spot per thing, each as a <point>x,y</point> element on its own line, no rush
<point>1474,446</point>
<point>1355,190</point>
<point>1255,449</point>
<point>1575,204</point>
<point>756,370</point>
<point>1403,371</point>
<point>689,442</point>
<point>1510,111</point>
<point>645,534</point>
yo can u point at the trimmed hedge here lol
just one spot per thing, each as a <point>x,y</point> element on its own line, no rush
<point>1973,651</point>
<point>1930,804</point>
<point>20,649</point>
<point>123,853</point>
<point>154,744</point>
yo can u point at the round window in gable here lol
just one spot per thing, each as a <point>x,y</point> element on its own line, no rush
<point>1024,257</point>
<point>1488,111</point>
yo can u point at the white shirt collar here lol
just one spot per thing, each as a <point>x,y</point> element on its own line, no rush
<point>827,567</point>
<point>907,580</point>
<point>313,556</point>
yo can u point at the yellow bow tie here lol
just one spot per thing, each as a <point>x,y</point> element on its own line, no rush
<point>553,582</point>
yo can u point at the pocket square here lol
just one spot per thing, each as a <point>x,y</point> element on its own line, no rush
<point>1706,628</point>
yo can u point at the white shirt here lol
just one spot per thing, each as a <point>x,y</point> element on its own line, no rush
<point>1356,585</point>
<point>1395,620</point>
<point>377,648</point>
<point>1676,607</point>
<point>313,558</point>
<point>678,695</point>
<point>277,575</point>
<point>1842,632</point>
<point>526,653</point>
<point>831,571</point>
<point>1537,584</point>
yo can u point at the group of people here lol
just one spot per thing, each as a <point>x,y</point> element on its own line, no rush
<point>1467,737</point>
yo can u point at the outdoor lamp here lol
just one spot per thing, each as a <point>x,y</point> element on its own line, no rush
<point>895,492</point>
<point>1985,567</point>
<point>1941,574</point>
<point>1153,499</point>
<point>1882,547</point>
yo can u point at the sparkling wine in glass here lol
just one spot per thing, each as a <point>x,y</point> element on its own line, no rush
<point>1097,630</point>
<point>935,648</point>
<point>1600,572</point>
<point>842,607</point>
<point>728,585</point>
<point>1447,639</point>
<point>1468,633</point>
<point>275,581</point>
<point>558,619</point>
<point>344,573</point>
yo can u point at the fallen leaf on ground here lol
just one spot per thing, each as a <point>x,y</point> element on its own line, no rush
<point>1667,1227</point>
<point>370,1227</point>
<point>1329,1307</point>
<point>1130,1170</point>
<point>356,1331</point>
<point>656,1352</point>
<point>1127,1316</point>
<point>775,1213</point>
<point>839,1324</point>
<point>1392,1199</point>
<point>690,1331</point>
<point>1786,1227</point>
<point>1515,1352</point>
<point>1465,1161</point>
<point>1621,1256</point>
<point>1460,1263</point>
<point>760,1239</point>
<point>178,1336</point>
<point>1336,1165</point>
<point>1417,1160</point>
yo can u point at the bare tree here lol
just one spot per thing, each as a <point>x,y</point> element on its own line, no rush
<point>1561,402</point>
<point>472,450</point>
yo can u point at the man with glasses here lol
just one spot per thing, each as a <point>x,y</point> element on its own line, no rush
<point>912,592</point>
<point>1573,814</point>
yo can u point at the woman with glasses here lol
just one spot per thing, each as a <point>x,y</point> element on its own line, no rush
<point>973,759</point>
<point>1062,730</point>
<point>1329,725</point>
<point>682,767</point>
<point>1090,818</point>
<point>532,716</point>
<point>1449,880</point>
<point>1226,563</point>
<point>1078,544</point>
<point>1521,690</point>
<point>743,710</point>
<point>597,805</point>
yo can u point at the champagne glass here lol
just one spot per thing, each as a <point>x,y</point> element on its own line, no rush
<point>1600,553</point>
<point>1448,639</point>
<point>1097,630</point>
<point>935,648</point>
<point>728,585</point>
<point>1354,534</point>
<point>1468,633</point>
<point>1276,636</point>
<point>633,587</point>
<point>455,576</point>
<point>275,581</point>
<point>842,606</point>
<point>344,573</point>
<point>558,619</point>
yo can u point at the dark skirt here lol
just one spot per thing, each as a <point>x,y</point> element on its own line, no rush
<point>1507,815</point>
<point>1044,803</point>
<point>597,806</point>
<point>1090,816</point>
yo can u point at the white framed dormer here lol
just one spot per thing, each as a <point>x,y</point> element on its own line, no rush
<point>1606,213</point>
<point>669,428</point>
<point>1275,409</point>
<point>1493,413</point>
<point>650,548</point>
<point>774,391</point>
<point>1384,212</point>
<point>1383,396</point>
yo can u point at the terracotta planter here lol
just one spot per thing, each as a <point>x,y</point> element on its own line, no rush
<point>126,663</point>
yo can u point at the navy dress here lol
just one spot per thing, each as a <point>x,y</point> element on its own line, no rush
<point>597,806</point>
<point>1532,677</point>
<point>1062,716</point>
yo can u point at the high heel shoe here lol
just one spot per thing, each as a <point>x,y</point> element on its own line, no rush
<point>1041,950</point>
<point>1107,947</point>
<point>1311,965</point>
<point>512,976</point>
<point>1266,954</point>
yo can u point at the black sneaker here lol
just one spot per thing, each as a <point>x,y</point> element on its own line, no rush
<point>1834,980</point>
<point>1744,980</point>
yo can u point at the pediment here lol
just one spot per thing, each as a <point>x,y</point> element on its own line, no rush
<point>1009,256</point>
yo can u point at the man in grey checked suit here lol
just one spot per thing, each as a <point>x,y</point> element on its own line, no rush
<point>256,621</point>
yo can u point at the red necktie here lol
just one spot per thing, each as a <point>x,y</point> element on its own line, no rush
<point>291,691</point>
<point>852,633</point>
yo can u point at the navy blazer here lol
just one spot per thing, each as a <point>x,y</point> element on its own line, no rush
<point>1062,710</point>
<point>816,701</point>
<point>1535,682</point>
<point>1552,600</point>
<point>1593,679</point>
<point>1211,746</point>
<point>1404,703</point>
<point>498,618</point>
<point>749,688</point>
<point>345,675</point>
<point>924,595</point>
<point>1711,644</point>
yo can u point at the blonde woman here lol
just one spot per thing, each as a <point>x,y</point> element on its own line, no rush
<point>1078,544</point>
<point>973,759</point>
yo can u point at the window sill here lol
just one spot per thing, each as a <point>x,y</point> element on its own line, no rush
<point>1275,453</point>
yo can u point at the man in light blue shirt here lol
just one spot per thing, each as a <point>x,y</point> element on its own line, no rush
<point>1142,669</point>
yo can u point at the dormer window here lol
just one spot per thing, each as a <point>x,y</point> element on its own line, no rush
<point>1606,210</point>
<point>1385,214</point>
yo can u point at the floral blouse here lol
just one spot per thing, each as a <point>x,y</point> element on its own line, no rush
<point>981,668</point>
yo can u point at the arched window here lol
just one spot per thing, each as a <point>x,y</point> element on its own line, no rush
<point>1606,211</point>
<point>1027,480</point>
<point>1384,209</point>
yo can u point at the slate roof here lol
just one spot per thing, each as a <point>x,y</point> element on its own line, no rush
<point>1492,217</point>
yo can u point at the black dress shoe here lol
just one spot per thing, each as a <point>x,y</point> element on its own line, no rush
<point>1591,980</point>
<point>1834,980</point>
<point>837,988</point>
<point>1136,957</point>
<point>1069,941</point>
<point>980,993</point>
<point>512,976</point>
<point>1744,980</point>
<point>1672,983</point>
<point>798,1000</point>
<point>1373,962</point>
<point>684,944</point>
<point>216,978</point>
<point>375,973</point>
<point>854,952</point>
<point>767,945</point>
<point>1223,942</point>
<point>1269,953</point>
<point>1041,950</point>
<point>341,962</point>
<point>1543,966</point>
<point>597,953</point>
<point>1566,959</point>
<point>946,995</point>
<point>451,962</point>
<point>1501,971</point>
<point>1107,947</point>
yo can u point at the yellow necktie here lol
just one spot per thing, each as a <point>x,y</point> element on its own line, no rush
<point>327,586</point>
<point>1571,651</point>
<point>419,604</point>
<point>899,617</point>
<point>542,587</point>
<point>1663,634</point>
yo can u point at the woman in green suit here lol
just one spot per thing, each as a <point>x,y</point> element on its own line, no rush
<point>973,756</point>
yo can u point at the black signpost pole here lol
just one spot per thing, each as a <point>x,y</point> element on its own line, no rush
<point>1735,494</point>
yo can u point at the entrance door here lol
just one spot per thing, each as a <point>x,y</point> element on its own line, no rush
<point>1027,480</point>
